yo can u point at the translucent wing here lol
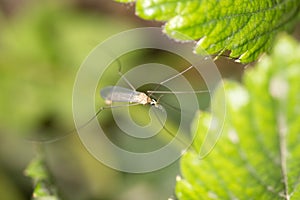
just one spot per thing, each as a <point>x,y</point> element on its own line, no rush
<point>120,94</point>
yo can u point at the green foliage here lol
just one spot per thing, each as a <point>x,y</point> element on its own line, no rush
<point>44,189</point>
<point>246,28</point>
<point>258,154</point>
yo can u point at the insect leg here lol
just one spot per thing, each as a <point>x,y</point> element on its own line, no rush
<point>176,92</point>
<point>169,79</point>
<point>81,126</point>
<point>183,141</point>
<point>122,75</point>
<point>180,73</point>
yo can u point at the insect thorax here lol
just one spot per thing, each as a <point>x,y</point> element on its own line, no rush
<point>142,98</point>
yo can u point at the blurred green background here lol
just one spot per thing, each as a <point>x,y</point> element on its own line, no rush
<point>42,44</point>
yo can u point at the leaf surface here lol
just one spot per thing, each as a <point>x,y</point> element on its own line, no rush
<point>258,154</point>
<point>246,28</point>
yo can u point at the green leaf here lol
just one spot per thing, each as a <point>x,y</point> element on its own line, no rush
<point>246,28</point>
<point>258,154</point>
<point>44,189</point>
<point>36,170</point>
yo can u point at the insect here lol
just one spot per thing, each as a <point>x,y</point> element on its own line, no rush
<point>132,97</point>
<point>120,94</point>
<point>114,94</point>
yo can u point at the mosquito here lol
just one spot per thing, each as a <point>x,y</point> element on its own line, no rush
<point>114,94</point>
<point>118,94</point>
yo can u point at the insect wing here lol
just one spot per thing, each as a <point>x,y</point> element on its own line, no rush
<point>119,94</point>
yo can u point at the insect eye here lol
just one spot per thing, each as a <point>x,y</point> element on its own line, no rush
<point>153,102</point>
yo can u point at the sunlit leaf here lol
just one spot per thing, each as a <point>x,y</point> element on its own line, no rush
<point>258,155</point>
<point>246,28</point>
